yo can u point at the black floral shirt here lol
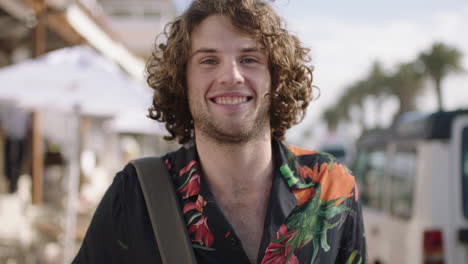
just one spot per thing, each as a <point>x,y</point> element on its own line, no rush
<point>313,215</point>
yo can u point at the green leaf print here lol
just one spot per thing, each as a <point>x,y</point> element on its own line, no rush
<point>333,211</point>
<point>312,221</point>
<point>289,175</point>
<point>195,245</point>
<point>352,257</point>
<point>192,170</point>
<point>194,216</point>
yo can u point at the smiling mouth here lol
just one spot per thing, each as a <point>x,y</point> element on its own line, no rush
<point>229,100</point>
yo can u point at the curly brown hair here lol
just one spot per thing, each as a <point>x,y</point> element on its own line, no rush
<point>291,89</point>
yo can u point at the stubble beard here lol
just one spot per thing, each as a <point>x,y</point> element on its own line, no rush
<point>221,135</point>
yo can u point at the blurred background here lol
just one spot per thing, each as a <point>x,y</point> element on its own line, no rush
<point>393,106</point>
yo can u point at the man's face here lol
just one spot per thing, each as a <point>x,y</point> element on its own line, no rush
<point>227,79</point>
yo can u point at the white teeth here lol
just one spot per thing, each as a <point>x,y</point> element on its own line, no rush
<point>230,100</point>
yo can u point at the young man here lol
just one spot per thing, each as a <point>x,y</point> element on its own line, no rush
<point>228,83</point>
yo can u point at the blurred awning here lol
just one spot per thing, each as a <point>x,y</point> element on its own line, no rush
<point>95,35</point>
<point>73,22</point>
<point>19,10</point>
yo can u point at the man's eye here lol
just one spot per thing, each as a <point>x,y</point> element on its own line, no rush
<point>248,60</point>
<point>209,62</point>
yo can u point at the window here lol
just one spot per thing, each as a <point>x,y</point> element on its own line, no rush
<point>369,172</point>
<point>402,171</point>
<point>464,170</point>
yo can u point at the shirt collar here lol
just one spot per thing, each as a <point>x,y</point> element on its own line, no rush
<point>288,164</point>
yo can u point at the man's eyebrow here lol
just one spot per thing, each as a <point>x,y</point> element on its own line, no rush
<point>203,50</point>
<point>211,50</point>
<point>252,49</point>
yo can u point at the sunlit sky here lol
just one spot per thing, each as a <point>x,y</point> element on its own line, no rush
<point>345,37</point>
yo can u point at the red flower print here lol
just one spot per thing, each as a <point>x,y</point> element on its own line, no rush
<point>168,164</point>
<point>198,205</point>
<point>188,167</point>
<point>192,187</point>
<point>278,250</point>
<point>203,234</point>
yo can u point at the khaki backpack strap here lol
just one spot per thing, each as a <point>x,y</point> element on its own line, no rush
<point>163,207</point>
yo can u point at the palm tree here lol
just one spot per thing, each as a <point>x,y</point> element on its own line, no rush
<point>373,86</point>
<point>350,105</point>
<point>439,61</point>
<point>379,89</point>
<point>354,100</point>
<point>406,84</point>
<point>341,111</point>
<point>331,118</point>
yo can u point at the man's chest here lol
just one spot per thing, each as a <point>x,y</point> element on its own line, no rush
<point>248,223</point>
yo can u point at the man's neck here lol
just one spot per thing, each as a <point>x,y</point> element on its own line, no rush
<point>234,170</point>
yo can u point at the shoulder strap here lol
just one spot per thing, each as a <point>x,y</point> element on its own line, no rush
<point>163,208</point>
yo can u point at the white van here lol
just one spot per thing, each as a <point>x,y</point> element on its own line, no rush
<point>413,181</point>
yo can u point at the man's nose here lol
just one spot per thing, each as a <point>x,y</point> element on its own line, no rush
<point>231,74</point>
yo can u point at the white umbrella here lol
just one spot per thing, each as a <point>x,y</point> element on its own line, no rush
<point>135,122</point>
<point>74,76</point>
